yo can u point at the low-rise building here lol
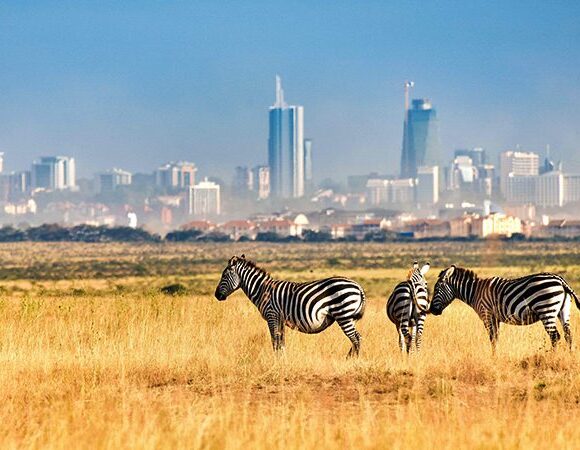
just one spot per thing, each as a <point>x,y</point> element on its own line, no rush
<point>496,224</point>
<point>235,229</point>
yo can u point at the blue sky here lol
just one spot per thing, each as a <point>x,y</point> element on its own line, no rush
<point>135,83</point>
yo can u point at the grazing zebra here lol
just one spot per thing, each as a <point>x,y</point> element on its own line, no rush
<point>407,307</point>
<point>520,301</point>
<point>308,307</point>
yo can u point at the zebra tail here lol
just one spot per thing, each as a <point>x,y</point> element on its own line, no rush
<point>570,291</point>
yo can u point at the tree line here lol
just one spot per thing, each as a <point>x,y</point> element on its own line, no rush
<point>91,233</point>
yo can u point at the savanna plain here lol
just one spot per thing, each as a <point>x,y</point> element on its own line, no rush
<point>93,355</point>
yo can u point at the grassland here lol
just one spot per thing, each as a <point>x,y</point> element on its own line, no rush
<point>92,355</point>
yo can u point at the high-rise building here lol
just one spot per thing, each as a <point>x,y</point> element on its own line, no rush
<point>571,188</point>
<point>308,176</point>
<point>54,173</point>
<point>286,147</point>
<point>176,175</point>
<point>111,179</point>
<point>476,154</point>
<point>420,138</point>
<point>1,162</point>
<point>20,182</point>
<point>204,199</point>
<point>517,164</point>
<point>261,179</point>
<point>550,189</point>
<point>391,192</point>
<point>243,180</point>
<point>427,186</point>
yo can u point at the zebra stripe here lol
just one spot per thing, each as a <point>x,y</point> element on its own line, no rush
<point>407,308</point>
<point>541,297</point>
<point>308,307</point>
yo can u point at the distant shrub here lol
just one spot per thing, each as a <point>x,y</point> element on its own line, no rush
<point>269,236</point>
<point>183,235</point>
<point>48,233</point>
<point>11,234</point>
<point>174,289</point>
<point>128,234</point>
<point>215,236</point>
<point>316,236</point>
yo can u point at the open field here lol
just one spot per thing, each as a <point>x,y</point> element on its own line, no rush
<point>91,355</point>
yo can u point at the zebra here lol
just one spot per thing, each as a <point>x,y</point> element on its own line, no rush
<point>308,307</point>
<point>520,301</point>
<point>407,307</point>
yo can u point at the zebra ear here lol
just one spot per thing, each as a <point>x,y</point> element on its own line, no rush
<point>425,268</point>
<point>448,272</point>
<point>243,256</point>
<point>415,265</point>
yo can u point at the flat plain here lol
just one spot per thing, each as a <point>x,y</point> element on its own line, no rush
<point>93,355</point>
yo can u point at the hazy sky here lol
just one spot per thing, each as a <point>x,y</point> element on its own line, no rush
<point>136,84</point>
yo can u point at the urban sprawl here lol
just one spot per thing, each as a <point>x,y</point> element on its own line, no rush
<point>435,195</point>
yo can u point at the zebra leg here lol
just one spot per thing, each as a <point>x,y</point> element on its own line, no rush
<point>348,328</point>
<point>564,317</point>
<point>410,339</point>
<point>276,328</point>
<point>550,326</point>
<point>405,337</point>
<point>492,327</point>
<point>419,338</point>
<point>401,340</point>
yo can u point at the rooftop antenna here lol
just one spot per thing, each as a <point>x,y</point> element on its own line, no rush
<point>408,86</point>
<point>279,93</point>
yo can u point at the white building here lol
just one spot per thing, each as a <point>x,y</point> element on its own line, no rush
<point>54,173</point>
<point>520,189</point>
<point>204,199</point>
<point>550,189</point>
<point>571,188</point>
<point>176,175</point>
<point>111,179</point>
<point>261,179</point>
<point>385,192</point>
<point>427,185</point>
<point>378,191</point>
<point>515,164</point>
<point>496,224</point>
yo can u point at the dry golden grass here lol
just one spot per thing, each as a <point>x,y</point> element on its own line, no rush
<point>119,365</point>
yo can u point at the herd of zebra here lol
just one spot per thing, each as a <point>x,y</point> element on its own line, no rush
<point>313,306</point>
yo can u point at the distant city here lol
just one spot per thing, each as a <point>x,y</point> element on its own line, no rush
<point>438,193</point>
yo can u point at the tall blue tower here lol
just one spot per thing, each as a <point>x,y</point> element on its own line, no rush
<point>420,138</point>
<point>286,147</point>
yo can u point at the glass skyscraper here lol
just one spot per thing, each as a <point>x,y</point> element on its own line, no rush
<point>286,147</point>
<point>420,138</point>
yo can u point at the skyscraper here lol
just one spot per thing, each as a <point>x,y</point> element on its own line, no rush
<point>308,181</point>
<point>110,180</point>
<point>54,173</point>
<point>176,175</point>
<point>514,164</point>
<point>261,179</point>
<point>420,138</point>
<point>286,147</point>
<point>204,199</point>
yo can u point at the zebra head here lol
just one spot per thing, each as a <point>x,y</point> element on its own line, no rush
<point>230,280</point>
<point>416,279</point>
<point>443,293</point>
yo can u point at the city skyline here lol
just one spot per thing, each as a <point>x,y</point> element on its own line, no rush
<point>95,82</point>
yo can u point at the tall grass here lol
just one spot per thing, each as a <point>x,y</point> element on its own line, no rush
<point>118,365</point>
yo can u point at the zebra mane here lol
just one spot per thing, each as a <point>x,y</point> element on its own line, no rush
<point>464,273</point>
<point>253,265</point>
